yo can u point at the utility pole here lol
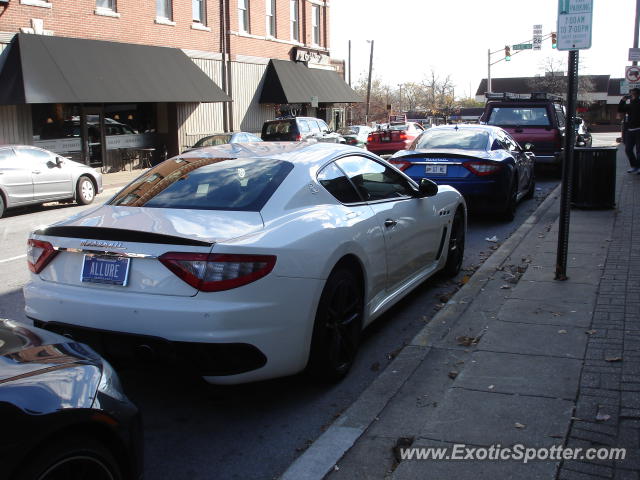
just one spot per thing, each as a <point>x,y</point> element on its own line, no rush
<point>635,28</point>
<point>350,61</point>
<point>489,69</point>
<point>366,114</point>
<point>400,107</point>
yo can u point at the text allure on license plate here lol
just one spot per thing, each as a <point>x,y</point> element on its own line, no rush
<point>436,169</point>
<point>105,269</point>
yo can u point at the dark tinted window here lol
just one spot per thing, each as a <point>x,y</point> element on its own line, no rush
<point>337,184</point>
<point>560,115</point>
<point>279,127</point>
<point>465,139</point>
<point>523,116</point>
<point>206,184</point>
<point>374,180</point>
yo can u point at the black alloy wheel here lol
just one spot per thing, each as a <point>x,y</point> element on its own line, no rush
<point>337,327</point>
<point>455,251</point>
<point>509,212</point>
<point>532,186</point>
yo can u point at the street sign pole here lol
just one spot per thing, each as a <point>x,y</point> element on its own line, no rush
<point>567,169</point>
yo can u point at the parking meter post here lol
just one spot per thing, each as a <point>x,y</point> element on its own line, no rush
<point>567,168</point>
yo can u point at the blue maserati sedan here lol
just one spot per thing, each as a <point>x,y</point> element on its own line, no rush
<point>484,163</point>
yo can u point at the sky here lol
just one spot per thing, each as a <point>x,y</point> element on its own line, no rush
<point>452,37</point>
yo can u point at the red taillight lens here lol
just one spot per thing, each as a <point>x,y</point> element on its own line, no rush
<point>298,138</point>
<point>370,138</point>
<point>217,272</point>
<point>403,136</point>
<point>39,254</point>
<point>482,168</point>
<point>401,164</point>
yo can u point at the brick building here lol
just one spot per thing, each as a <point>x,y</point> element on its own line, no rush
<point>87,78</point>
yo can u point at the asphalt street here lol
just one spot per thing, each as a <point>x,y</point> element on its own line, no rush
<point>197,431</point>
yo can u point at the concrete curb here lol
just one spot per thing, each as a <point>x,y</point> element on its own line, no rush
<point>325,452</point>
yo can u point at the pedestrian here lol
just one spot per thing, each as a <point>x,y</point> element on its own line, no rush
<point>631,135</point>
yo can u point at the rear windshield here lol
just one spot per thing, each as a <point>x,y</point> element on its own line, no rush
<point>522,116</point>
<point>454,138</point>
<point>213,141</point>
<point>243,184</point>
<point>279,128</point>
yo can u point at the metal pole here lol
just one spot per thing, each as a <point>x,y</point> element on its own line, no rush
<point>567,168</point>
<point>489,69</point>
<point>350,61</point>
<point>366,114</point>
<point>635,28</point>
<point>400,108</point>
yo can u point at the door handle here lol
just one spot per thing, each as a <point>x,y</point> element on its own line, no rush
<point>36,171</point>
<point>390,223</point>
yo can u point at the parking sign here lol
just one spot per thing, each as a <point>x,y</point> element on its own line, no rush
<point>574,24</point>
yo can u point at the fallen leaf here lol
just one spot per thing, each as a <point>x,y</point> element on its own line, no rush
<point>464,279</point>
<point>613,359</point>
<point>520,425</point>
<point>493,239</point>
<point>591,332</point>
<point>444,298</point>
<point>453,374</point>
<point>466,341</point>
<point>602,417</point>
<point>562,331</point>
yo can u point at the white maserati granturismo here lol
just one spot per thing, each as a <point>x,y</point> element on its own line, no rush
<point>247,261</point>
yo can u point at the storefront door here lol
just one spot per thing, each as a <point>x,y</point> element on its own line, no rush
<point>93,137</point>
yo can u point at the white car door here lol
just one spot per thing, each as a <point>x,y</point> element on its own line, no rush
<point>411,226</point>
<point>50,182</point>
<point>15,178</point>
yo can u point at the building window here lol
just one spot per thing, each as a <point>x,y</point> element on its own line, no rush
<point>315,24</point>
<point>243,16</point>
<point>106,4</point>
<point>199,11</point>
<point>271,18</point>
<point>163,9</point>
<point>295,35</point>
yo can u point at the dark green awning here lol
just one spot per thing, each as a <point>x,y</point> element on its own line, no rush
<point>291,82</point>
<point>46,69</point>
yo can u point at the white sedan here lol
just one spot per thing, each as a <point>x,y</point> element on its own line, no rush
<point>248,261</point>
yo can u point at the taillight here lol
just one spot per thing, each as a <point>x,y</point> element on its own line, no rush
<point>401,165</point>
<point>217,272</point>
<point>482,168</point>
<point>403,136</point>
<point>298,138</point>
<point>39,254</point>
<point>370,138</point>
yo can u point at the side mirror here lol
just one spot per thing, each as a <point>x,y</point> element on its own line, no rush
<point>528,147</point>
<point>58,162</point>
<point>427,188</point>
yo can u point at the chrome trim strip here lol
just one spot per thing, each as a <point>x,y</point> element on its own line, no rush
<point>436,163</point>
<point>104,252</point>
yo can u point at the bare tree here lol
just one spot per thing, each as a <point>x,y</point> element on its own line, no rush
<point>554,80</point>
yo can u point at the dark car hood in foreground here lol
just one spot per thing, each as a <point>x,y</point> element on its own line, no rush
<point>42,372</point>
<point>448,152</point>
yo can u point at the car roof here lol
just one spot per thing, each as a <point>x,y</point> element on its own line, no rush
<point>486,128</point>
<point>307,153</point>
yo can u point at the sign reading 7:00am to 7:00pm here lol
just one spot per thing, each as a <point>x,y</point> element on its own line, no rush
<point>574,24</point>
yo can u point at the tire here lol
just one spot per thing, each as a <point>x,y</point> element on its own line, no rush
<point>532,186</point>
<point>337,327</point>
<point>455,250</point>
<point>85,191</point>
<point>509,212</point>
<point>72,457</point>
<point>2,206</point>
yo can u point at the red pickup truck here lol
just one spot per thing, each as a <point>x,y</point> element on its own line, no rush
<point>396,136</point>
<point>536,118</point>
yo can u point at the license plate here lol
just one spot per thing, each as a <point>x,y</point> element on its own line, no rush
<point>105,269</point>
<point>386,139</point>
<point>436,169</point>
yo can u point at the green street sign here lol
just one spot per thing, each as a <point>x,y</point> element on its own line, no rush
<point>523,46</point>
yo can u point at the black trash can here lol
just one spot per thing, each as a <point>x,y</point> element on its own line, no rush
<point>594,177</point>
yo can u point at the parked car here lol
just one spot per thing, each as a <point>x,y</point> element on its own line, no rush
<point>355,135</point>
<point>583,133</point>
<point>31,175</point>
<point>259,263</point>
<point>222,138</point>
<point>484,163</point>
<point>296,129</point>
<point>63,411</point>
<point>393,137</point>
<point>537,119</point>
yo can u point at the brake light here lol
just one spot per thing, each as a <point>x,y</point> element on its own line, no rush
<point>401,165</point>
<point>298,138</point>
<point>370,138</point>
<point>217,272</point>
<point>39,254</point>
<point>482,168</point>
<point>403,135</point>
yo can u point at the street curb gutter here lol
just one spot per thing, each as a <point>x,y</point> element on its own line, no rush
<point>325,452</point>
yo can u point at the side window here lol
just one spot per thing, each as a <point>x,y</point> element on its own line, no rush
<point>304,126</point>
<point>323,126</point>
<point>512,144</point>
<point>498,144</point>
<point>373,180</point>
<point>560,115</point>
<point>37,156</point>
<point>6,156</point>
<point>337,184</point>
<point>314,126</point>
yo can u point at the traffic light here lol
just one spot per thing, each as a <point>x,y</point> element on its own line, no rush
<point>554,40</point>
<point>507,53</point>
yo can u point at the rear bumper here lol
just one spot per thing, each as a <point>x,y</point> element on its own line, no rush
<point>258,331</point>
<point>384,148</point>
<point>489,194</point>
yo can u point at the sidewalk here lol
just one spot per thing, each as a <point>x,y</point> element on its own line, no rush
<point>120,179</point>
<point>515,357</point>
